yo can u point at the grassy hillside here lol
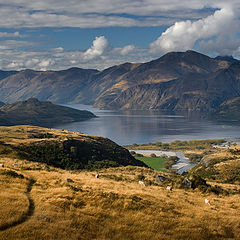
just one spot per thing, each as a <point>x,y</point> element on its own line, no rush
<point>41,200</point>
<point>43,205</point>
<point>221,166</point>
<point>63,149</point>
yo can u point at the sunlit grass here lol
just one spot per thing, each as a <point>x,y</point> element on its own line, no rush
<point>108,208</point>
<point>156,163</point>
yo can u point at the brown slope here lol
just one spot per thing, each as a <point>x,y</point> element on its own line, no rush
<point>174,65</point>
<point>204,92</point>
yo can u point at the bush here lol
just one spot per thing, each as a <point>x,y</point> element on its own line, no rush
<point>140,177</point>
<point>12,174</point>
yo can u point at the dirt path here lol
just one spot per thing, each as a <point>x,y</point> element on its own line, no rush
<point>29,212</point>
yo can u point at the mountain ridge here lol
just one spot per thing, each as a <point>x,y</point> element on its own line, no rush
<point>176,81</point>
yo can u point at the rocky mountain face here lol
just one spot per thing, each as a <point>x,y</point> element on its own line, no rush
<point>34,112</point>
<point>176,81</point>
<point>228,110</point>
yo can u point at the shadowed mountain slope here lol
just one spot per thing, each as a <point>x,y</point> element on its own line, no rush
<point>34,112</point>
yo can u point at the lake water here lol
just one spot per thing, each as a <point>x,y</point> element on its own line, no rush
<point>128,127</point>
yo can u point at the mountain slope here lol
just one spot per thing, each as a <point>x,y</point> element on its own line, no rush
<point>203,88</point>
<point>230,109</point>
<point>56,86</point>
<point>34,112</point>
<point>204,92</point>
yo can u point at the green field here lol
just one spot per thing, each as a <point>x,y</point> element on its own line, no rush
<point>156,163</point>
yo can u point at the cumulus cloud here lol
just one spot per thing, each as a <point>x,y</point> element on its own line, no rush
<point>127,49</point>
<point>183,35</point>
<point>99,46</point>
<point>99,56</point>
<point>211,25</point>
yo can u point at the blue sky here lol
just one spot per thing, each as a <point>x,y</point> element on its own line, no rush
<point>59,34</point>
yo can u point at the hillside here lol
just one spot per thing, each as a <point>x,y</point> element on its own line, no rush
<point>39,201</point>
<point>34,112</point>
<point>63,149</point>
<point>176,81</point>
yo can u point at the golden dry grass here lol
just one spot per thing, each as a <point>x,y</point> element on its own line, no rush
<point>114,206</point>
<point>13,200</point>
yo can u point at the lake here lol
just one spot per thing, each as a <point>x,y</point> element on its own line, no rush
<point>128,127</point>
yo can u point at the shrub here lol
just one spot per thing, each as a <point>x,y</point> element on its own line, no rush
<point>140,177</point>
<point>12,174</point>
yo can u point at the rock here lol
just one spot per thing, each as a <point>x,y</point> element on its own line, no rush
<point>186,183</point>
<point>159,178</point>
<point>69,180</point>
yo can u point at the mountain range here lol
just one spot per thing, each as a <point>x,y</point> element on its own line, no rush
<point>176,81</point>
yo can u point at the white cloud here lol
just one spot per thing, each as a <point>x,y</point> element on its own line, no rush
<point>99,46</point>
<point>212,24</point>
<point>10,35</point>
<point>101,13</point>
<point>127,49</point>
<point>183,35</point>
<point>99,56</point>
<point>14,44</point>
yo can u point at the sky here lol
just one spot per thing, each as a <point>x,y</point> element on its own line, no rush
<point>59,34</point>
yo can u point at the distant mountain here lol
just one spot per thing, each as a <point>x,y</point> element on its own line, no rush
<point>4,74</point>
<point>34,112</point>
<point>2,103</point>
<point>176,81</point>
<point>56,86</point>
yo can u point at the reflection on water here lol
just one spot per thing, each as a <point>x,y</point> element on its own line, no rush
<point>127,127</point>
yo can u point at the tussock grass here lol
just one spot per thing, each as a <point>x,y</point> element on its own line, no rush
<point>44,205</point>
<point>111,208</point>
<point>14,202</point>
